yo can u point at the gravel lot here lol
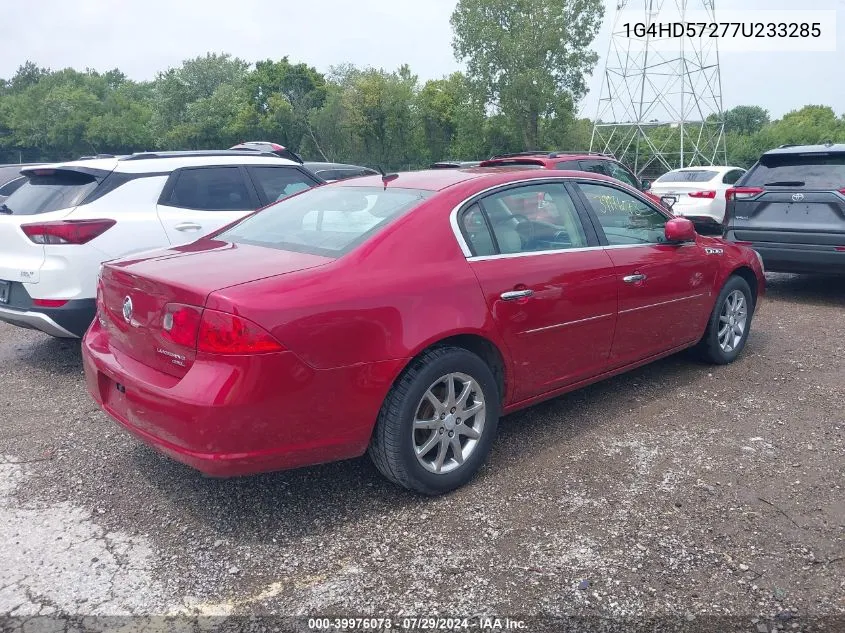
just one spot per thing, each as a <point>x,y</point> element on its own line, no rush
<point>678,490</point>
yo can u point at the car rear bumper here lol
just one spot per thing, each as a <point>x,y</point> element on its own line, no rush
<point>798,258</point>
<point>240,415</point>
<point>69,321</point>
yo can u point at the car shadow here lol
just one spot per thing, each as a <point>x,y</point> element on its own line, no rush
<point>56,355</point>
<point>821,290</point>
<point>314,500</point>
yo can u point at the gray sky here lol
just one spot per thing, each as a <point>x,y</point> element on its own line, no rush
<point>142,37</point>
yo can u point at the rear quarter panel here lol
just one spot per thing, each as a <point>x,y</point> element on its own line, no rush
<point>405,289</point>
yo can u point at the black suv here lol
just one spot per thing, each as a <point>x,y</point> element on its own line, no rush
<point>790,208</point>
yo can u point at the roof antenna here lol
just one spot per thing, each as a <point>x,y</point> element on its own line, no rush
<point>386,178</point>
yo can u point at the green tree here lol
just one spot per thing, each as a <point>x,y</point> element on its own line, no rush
<point>526,54</point>
<point>746,119</point>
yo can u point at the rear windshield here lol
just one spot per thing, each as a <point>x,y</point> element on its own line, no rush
<point>42,194</point>
<point>326,220</point>
<point>691,175</point>
<point>813,171</point>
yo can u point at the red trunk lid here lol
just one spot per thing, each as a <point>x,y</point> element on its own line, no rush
<point>136,292</point>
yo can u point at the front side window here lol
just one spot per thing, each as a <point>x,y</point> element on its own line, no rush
<point>210,189</point>
<point>277,183</point>
<point>534,218</point>
<point>621,174</point>
<point>624,218</point>
<point>325,220</point>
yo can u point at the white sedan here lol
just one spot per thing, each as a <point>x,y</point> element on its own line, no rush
<point>697,193</point>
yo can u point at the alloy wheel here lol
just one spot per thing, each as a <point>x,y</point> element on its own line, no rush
<point>448,423</point>
<point>733,320</point>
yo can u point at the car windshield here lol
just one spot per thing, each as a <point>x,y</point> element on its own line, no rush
<point>687,175</point>
<point>325,221</point>
<point>50,192</point>
<point>811,171</point>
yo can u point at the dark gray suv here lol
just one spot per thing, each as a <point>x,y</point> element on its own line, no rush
<point>790,208</point>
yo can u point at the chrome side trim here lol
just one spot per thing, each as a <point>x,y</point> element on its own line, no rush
<point>481,258</point>
<point>567,323</point>
<point>662,303</point>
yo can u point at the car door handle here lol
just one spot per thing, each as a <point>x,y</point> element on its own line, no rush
<point>632,279</point>
<point>513,295</point>
<point>188,226</point>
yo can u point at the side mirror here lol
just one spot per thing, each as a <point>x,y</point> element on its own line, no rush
<point>645,185</point>
<point>679,230</point>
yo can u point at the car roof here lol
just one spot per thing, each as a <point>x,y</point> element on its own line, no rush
<point>318,165</point>
<point>439,179</point>
<point>719,168</point>
<point>544,159</point>
<point>168,161</point>
<point>835,148</point>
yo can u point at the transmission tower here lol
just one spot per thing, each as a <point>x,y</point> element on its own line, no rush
<point>660,105</point>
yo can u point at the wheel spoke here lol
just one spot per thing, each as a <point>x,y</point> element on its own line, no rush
<point>450,391</point>
<point>457,451</point>
<point>421,425</point>
<point>438,406</point>
<point>461,403</point>
<point>724,319</point>
<point>723,332</point>
<point>432,441</point>
<point>469,431</point>
<point>473,410</point>
<point>441,453</point>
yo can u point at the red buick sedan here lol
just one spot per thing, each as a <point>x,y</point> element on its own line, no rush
<point>402,315</point>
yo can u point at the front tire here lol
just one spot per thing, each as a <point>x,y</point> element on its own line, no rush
<point>730,323</point>
<point>437,424</point>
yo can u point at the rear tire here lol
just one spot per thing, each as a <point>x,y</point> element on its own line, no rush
<point>729,325</point>
<point>421,442</point>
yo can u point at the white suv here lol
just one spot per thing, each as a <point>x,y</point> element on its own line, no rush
<point>68,218</point>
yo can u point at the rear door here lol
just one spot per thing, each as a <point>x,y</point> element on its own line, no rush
<point>792,198</point>
<point>199,200</point>
<point>664,289</point>
<point>549,286</point>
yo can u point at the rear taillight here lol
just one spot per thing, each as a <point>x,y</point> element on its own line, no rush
<point>66,231</point>
<point>702,194</point>
<point>223,333</point>
<point>740,193</point>
<point>181,324</point>
<point>215,332</point>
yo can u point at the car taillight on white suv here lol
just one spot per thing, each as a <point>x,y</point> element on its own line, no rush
<point>66,231</point>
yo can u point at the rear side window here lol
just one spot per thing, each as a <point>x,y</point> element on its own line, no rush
<point>811,171</point>
<point>688,175</point>
<point>276,183</point>
<point>60,189</point>
<point>326,220</point>
<point>210,189</point>
<point>732,176</point>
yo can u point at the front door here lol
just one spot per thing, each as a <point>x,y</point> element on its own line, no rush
<point>664,289</point>
<point>549,286</point>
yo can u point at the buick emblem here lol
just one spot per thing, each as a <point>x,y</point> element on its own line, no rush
<point>797,197</point>
<point>127,309</point>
